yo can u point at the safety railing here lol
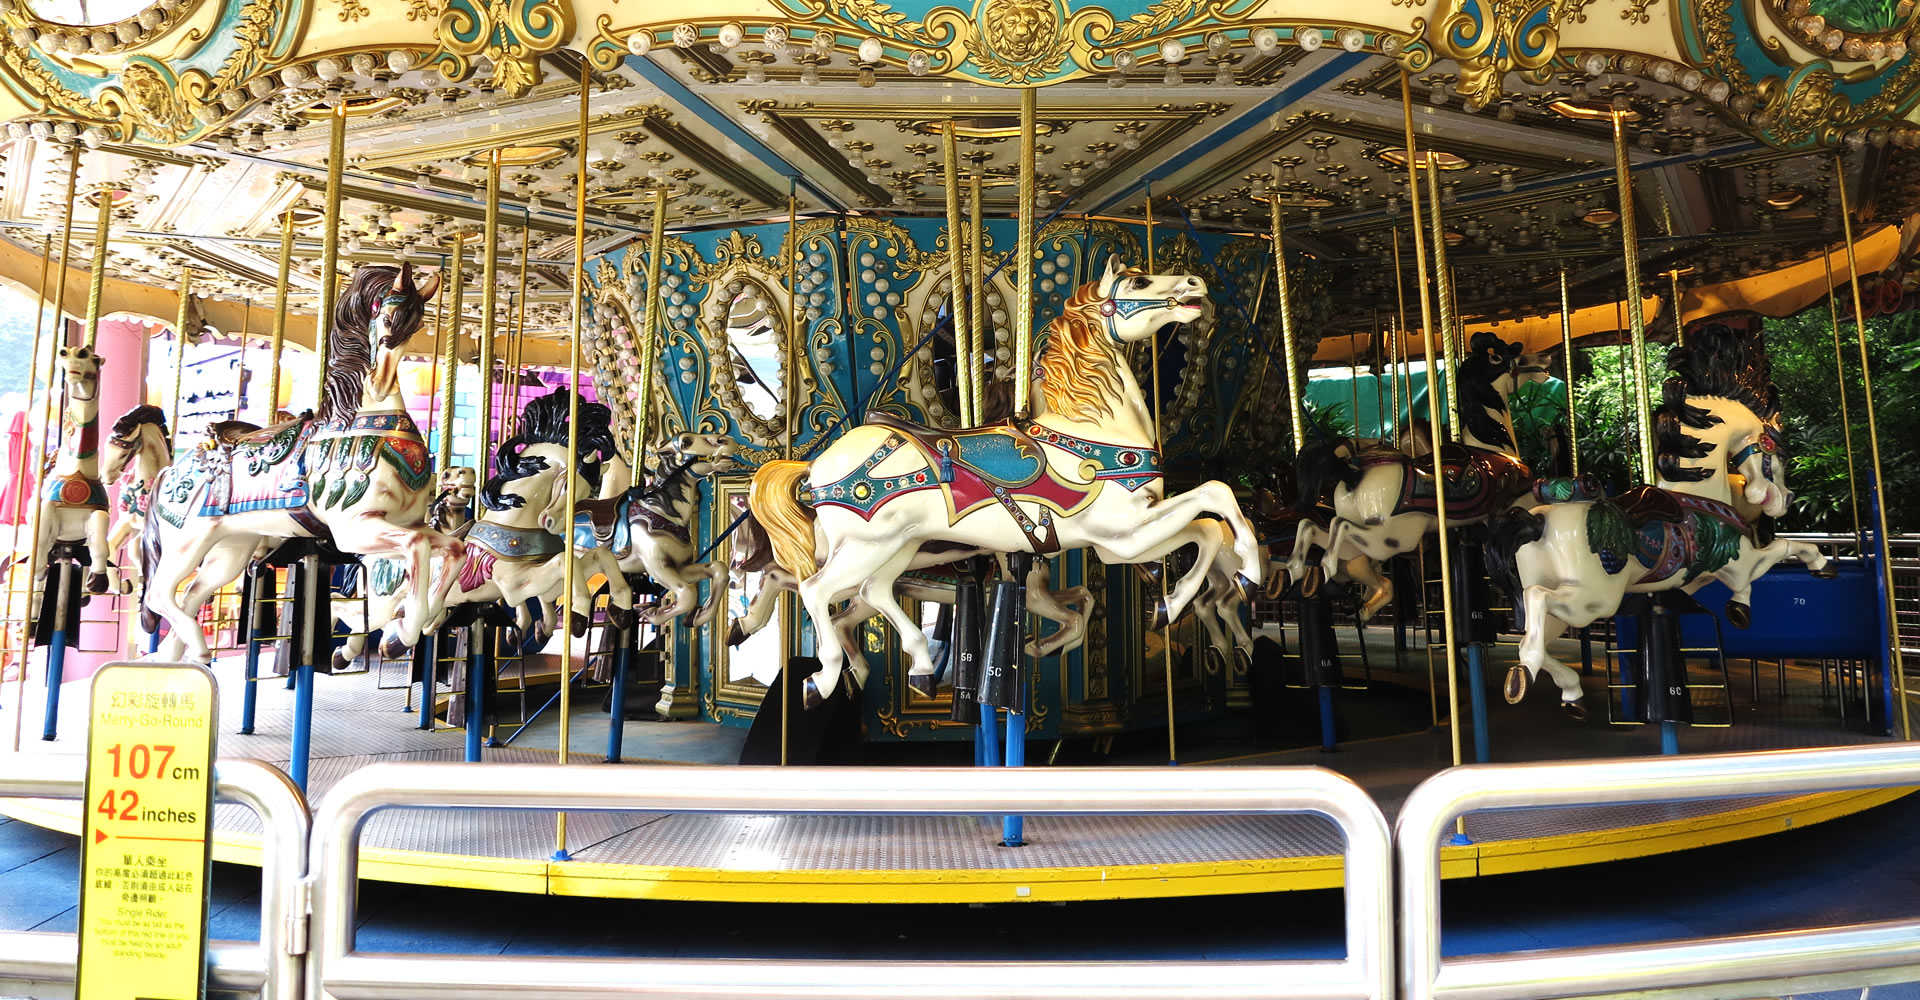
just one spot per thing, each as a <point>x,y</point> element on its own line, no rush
<point>336,969</point>
<point>1743,965</point>
<point>274,967</point>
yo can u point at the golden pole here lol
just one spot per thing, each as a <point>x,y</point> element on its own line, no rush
<point>1873,446</point>
<point>1399,333</point>
<point>974,371</point>
<point>1566,344</point>
<point>240,367</point>
<point>1296,412</point>
<point>489,293</point>
<point>649,338</point>
<point>279,341</point>
<point>1443,280</point>
<point>180,351</point>
<point>1846,419</point>
<point>1679,322</point>
<point>1023,252</point>
<point>1433,420</point>
<point>96,282</point>
<point>1636,320</point>
<point>330,243</point>
<point>1153,373</point>
<point>449,352</point>
<point>788,612</point>
<point>517,347</point>
<point>25,496</point>
<point>957,270</point>
<point>573,422</point>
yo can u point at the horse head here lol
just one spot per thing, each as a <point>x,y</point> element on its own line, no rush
<point>80,367</point>
<point>1133,304</point>
<point>130,436</point>
<point>399,314</point>
<point>1761,458</point>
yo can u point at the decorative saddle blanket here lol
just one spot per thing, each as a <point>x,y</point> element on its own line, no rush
<point>1001,464</point>
<point>1666,533</point>
<point>1479,482</point>
<point>609,524</point>
<point>260,472</point>
<point>74,491</point>
<point>341,460</point>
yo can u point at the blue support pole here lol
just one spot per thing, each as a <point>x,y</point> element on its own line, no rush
<point>56,654</point>
<point>988,745</point>
<point>1890,633</point>
<point>1328,742</point>
<point>302,677</point>
<point>617,721</point>
<point>1013,828</point>
<point>428,669</point>
<point>476,662</point>
<point>250,690</point>
<point>1477,690</point>
<point>1669,738</point>
<point>153,641</point>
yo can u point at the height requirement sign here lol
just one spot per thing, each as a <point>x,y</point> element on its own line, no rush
<point>144,860</point>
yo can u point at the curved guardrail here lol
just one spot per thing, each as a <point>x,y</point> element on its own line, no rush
<point>1744,965</point>
<point>274,967</point>
<point>337,970</point>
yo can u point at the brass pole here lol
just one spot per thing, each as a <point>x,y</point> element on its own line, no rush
<point>1566,344</point>
<point>1023,252</point>
<point>1153,373</point>
<point>1289,352</point>
<point>180,352</point>
<point>449,356</point>
<point>66,252</point>
<point>974,371</point>
<point>489,295</point>
<point>433,357</point>
<point>1679,321</point>
<point>788,614</point>
<point>1873,445</point>
<point>650,337</point>
<point>330,243</point>
<point>96,282</point>
<point>1443,281</point>
<point>279,341</point>
<point>518,345</point>
<point>1846,419</point>
<point>573,422</point>
<point>25,496</point>
<point>957,271</point>
<point>1399,334</point>
<point>240,366</point>
<point>1433,420</point>
<point>1636,320</point>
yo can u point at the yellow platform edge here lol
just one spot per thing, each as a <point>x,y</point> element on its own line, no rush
<point>621,881</point>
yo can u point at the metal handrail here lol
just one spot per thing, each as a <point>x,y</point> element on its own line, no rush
<point>272,968</point>
<point>1741,965</point>
<point>336,969</point>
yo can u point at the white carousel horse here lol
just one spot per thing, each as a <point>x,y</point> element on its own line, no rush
<point>73,501</point>
<point>1571,562</point>
<point>1274,518</point>
<point>648,529</point>
<point>137,449</point>
<point>356,474</point>
<point>514,551</point>
<point>384,577</point>
<point>1083,471</point>
<point>1383,501</point>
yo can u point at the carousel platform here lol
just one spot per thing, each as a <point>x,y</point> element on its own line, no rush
<point>958,859</point>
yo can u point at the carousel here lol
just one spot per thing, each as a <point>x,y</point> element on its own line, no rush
<point>1037,382</point>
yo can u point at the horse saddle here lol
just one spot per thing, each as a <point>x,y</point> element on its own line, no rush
<point>232,433</point>
<point>999,455</point>
<point>1568,489</point>
<point>259,469</point>
<point>1478,482</point>
<point>1665,532</point>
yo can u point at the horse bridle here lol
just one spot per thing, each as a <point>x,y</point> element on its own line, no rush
<point>1115,306</point>
<point>1767,445</point>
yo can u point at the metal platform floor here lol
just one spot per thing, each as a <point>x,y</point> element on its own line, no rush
<point>952,859</point>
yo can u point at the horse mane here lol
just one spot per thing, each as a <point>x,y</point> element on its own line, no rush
<point>440,511</point>
<point>1078,373</point>
<point>1477,395</point>
<point>1716,361</point>
<point>349,352</point>
<point>134,419</point>
<point>752,549</point>
<point>544,421</point>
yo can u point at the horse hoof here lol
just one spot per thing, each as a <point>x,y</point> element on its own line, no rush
<point>1515,687</point>
<point>97,583</point>
<point>1311,580</point>
<point>392,648</point>
<point>1739,614</point>
<point>622,618</point>
<point>810,696</point>
<point>340,663</point>
<point>1216,660</point>
<point>1246,588</point>
<point>1242,660</point>
<point>1161,615</point>
<point>1827,571</point>
<point>1575,710</point>
<point>735,633</point>
<point>579,623</point>
<point>923,685</point>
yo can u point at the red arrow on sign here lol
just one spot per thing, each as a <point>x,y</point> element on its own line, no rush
<point>99,835</point>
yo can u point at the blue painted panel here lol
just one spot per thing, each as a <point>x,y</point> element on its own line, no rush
<point>1794,615</point>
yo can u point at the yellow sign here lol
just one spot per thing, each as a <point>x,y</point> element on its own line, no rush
<point>143,866</point>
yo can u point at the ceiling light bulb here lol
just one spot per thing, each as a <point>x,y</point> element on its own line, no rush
<point>640,42</point>
<point>1309,39</point>
<point>918,62</point>
<point>822,43</point>
<point>1351,39</point>
<point>685,35</point>
<point>1223,75</point>
<point>1172,51</point>
<point>400,60</point>
<point>810,76</point>
<point>1507,182</point>
<point>774,38</point>
<point>871,50</point>
<point>731,34</point>
<point>756,74</point>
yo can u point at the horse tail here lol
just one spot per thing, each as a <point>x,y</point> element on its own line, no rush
<point>788,522</point>
<point>1506,532</point>
<point>149,561</point>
